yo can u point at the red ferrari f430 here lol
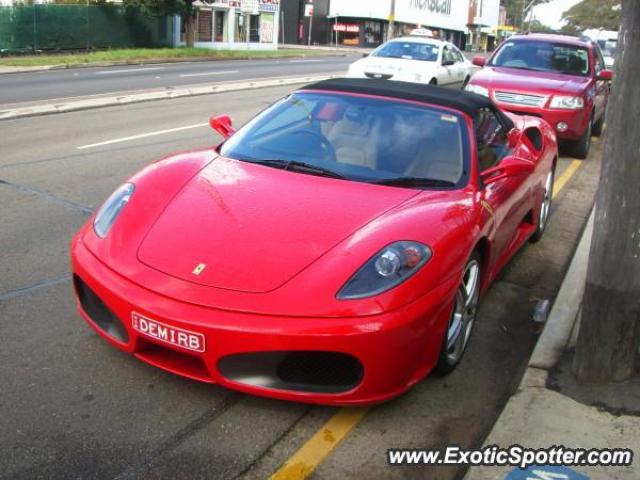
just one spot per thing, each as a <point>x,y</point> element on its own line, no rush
<point>333,250</point>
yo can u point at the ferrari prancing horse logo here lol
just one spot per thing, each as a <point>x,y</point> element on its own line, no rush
<point>199,268</point>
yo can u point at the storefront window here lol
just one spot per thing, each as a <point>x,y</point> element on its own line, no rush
<point>347,33</point>
<point>204,26</point>
<point>240,32</point>
<point>244,22</point>
<point>254,28</point>
<point>372,33</point>
<point>266,27</point>
<point>220,22</point>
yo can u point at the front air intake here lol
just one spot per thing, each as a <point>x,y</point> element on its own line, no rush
<point>300,371</point>
<point>98,312</point>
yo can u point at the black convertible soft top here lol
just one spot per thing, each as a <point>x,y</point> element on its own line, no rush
<point>466,102</point>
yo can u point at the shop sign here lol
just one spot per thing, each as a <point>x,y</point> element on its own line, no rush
<point>346,27</point>
<point>434,6</point>
<point>308,10</point>
<point>269,5</point>
<point>225,3</point>
<point>249,6</point>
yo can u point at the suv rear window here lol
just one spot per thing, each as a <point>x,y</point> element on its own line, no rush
<point>543,57</point>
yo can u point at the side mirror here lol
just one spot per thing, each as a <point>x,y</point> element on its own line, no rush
<point>513,137</point>
<point>222,125</point>
<point>605,75</point>
<point>508,167</point>
<point>365,55</point>
<point>479,61</point>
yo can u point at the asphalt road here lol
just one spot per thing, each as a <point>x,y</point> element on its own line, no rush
<point>62,84</point>
<point>73,407</point>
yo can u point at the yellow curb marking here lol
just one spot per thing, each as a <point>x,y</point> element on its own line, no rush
<point>320,445</point>
<point>302,464</point>
<point>562,180</point>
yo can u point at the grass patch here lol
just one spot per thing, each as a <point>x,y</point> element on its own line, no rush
<point>136,55</point>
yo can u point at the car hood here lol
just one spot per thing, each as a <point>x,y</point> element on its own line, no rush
<point>250,228</point>
<point>393,66</point>
<point>545,83</point>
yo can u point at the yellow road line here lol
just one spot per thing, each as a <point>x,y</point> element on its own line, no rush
<point>562,180</point>
<point>318,447</point>
<point>302,464</point>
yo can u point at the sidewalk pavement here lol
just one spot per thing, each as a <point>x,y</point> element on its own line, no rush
<point>328,48</point>
<point>537,417</point>
<point>10,69</point>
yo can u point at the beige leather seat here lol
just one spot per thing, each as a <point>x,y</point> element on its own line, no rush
<point>355,138</point>
<point>440,158</point>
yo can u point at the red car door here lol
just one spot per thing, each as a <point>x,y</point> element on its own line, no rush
<point>506,201</point>
<point>601,86</point>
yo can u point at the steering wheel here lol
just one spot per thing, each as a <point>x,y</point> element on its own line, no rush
<point>320,141</point>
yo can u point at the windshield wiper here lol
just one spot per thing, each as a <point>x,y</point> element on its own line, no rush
<point>301,167</point>
<point>414,182</point>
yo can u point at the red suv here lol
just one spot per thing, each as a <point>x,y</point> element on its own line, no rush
<point>560,78</point>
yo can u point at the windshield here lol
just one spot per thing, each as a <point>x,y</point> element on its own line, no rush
<point>543,57</point>
<point>608,47</point>
<point>357,138</point>
<point>426,52</point>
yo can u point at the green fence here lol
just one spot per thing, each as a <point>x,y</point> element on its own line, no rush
<point>32,28</point>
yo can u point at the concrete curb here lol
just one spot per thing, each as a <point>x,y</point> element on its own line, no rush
<point>559,326</point>
<point>50,108</point>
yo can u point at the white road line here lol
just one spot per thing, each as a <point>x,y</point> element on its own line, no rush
<point>203,74</point>
<point>305,61</point>
<point>128,70</point>
<point>142,135</point>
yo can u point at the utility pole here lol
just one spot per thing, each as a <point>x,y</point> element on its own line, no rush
<point>392,20</point>
<point>525,10</point>
<point>607,345</point>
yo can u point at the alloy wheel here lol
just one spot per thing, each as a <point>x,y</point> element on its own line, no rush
<point>545,206</point>
<point>464,313</point>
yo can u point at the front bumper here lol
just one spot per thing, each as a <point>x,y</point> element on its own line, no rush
<point>393,350</point>
<point>576,121</point>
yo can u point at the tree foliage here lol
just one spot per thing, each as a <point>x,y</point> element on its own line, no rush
<point>602,14</point>
<point>537,26</point>
<point>514,9</point>
<point>162,7</point>
<point>184,8</point>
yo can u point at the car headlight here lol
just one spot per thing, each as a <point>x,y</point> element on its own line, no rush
<point>110,210</point>
<point>477,89</point>
<point>567,102</point>
<point>388,268</point>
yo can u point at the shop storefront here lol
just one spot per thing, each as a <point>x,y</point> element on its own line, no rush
<point>365,23</point>
<point>235,24</point>
<point>447,19</point>
<point>356,32</point>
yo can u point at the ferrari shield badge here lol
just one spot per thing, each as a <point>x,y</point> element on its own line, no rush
<point>199,269</point>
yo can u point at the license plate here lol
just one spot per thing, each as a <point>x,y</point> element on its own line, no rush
<point>165,333</point>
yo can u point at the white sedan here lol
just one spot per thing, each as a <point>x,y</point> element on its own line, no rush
<point>415,59</point>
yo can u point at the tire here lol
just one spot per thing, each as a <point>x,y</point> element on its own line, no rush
<point>465,83</point>
<point>433,81</point>
<point>463,317</point>
<point>598,127</point>
<point>582,146</point>
<point>545,207</point>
